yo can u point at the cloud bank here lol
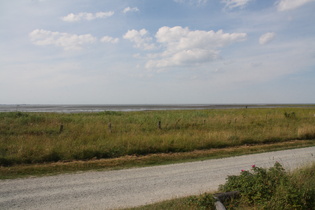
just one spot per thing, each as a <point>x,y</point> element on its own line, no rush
<point>129,9</point>
<point>185,47</point>
<point>141,39</point>
<point>108,39</point>
<point>66,41</point>
<point>284,5</point>
<point>266,38</point>
<point>231,4</point>
<point>86,16</point>
<point>192,2</point>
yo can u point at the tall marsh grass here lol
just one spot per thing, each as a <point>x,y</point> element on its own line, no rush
<point>36,137</point>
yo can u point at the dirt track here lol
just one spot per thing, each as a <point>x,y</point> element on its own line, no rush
<point>133,187</point>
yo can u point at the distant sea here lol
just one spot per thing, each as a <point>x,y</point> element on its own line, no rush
<point>138,107</point>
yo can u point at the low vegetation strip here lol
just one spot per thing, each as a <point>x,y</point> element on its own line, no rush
<point>26,170</point>
<point>35,138</point>
<point>258,188</point>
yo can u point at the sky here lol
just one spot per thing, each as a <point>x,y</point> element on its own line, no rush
<point>157,51</point>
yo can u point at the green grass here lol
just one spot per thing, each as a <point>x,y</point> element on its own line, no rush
<point>35,138</point>
<point>204,201</point>
<point>176,204</point>
<point>260,188</point>
<point>26,170</point>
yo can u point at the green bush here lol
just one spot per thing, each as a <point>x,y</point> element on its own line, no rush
<point>298,194</point>
<point>204,201</point>
<point>290,115</point>
<point>272,189</point>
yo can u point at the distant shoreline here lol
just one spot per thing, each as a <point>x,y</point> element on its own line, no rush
<point>133,107</point>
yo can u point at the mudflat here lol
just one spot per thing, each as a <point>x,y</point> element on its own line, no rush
<point>77,108</point>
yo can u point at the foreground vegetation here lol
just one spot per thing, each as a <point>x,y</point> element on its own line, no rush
<point>38,138</point>
<point>260,188</point>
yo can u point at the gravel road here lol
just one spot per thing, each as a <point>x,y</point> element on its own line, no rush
<point>134,187</point>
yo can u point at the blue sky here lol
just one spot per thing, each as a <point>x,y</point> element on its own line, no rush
<point>157,51</point>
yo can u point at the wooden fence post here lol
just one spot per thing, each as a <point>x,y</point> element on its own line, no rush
<point>110,127</point>
<point>61,128</point>
<point>177,123</point>
<point>159,124</point>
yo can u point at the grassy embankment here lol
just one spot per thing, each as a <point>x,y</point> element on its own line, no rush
<point>28,141</point>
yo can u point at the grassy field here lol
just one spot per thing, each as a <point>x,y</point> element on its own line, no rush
<point>37,138</point>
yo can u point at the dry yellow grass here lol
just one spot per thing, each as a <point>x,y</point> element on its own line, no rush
<point>29,138</point>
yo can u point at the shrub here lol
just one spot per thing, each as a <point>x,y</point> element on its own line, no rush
<point>5,162</point>
<point>53,156</point>
<point>256,186</point>
<point>298,194</point>
<point>290,115</point>
<point>204,201</point>
<point>270,189</point>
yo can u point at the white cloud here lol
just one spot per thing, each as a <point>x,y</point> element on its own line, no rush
<point>66,41</point>
<point>108,39</point>
<point>86,16</point>
<point>183,46</point>
<point>184,57</point>
<point>284,5</point>
<point>231,4</point>
<point>266,38</point>
<point>141,39</point>
<point>129,9</point>
<point>192,2</point>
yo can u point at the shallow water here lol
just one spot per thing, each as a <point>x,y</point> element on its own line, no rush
<point>76,108</point>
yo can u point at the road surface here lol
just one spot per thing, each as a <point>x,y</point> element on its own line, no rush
<point>139,186</point>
